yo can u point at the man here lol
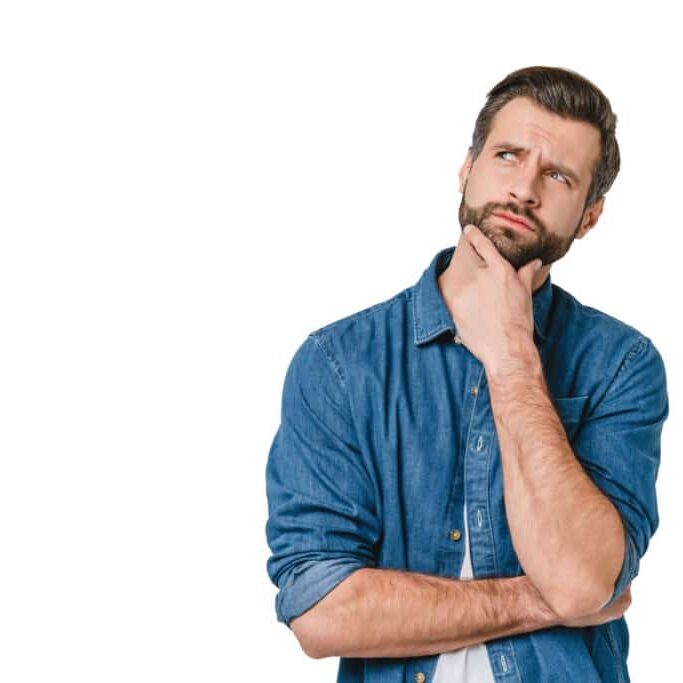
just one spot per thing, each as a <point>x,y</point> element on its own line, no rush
<point>476,511</point>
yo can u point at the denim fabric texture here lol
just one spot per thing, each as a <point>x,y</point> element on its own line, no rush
<point>386,429</point>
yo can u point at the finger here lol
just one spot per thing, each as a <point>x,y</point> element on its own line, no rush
<point>527,271</point>
<point>476,256</point>
<point>482,244</point>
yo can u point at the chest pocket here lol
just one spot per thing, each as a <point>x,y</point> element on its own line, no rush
<point>570,410</point>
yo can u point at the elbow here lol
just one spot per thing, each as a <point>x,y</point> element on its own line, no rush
<point>310,634</point>
<point>569,605</point>
<point>321,630</point>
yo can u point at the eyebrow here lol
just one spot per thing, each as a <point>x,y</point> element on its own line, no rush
<point>516,148</point>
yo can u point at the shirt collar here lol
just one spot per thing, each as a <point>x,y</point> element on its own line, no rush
<point>431,314</point>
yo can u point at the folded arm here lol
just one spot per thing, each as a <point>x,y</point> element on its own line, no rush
<point>324,528</point>
<point>580,516</point>
<point>392,613</point>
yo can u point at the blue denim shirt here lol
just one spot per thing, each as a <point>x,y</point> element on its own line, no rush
<point>386,429</point>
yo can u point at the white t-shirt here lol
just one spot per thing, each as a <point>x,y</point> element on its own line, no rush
<point>468,664</point>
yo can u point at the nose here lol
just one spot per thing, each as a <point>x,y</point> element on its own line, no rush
<point>523,189</point>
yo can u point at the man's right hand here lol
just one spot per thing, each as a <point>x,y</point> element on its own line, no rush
<point>614,611</point>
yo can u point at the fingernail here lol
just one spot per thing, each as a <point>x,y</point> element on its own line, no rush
<point>467,229</point>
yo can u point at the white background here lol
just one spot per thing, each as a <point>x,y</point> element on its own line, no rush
<point>187,190</point>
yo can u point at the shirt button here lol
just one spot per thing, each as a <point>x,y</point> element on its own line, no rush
<point>457,339</point>
<point>419,677</point>
<point>480,443</point>
<point>474,391</point>
<point>455,534</point>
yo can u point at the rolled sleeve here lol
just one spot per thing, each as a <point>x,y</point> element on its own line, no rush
<point>619,447</point>
<point>308,583</point>
<point>322,509</point>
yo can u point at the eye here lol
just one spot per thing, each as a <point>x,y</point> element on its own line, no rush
<point>562,177</point>
<point>564,180</point>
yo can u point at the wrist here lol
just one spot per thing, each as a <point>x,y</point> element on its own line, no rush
<point>520,360</point>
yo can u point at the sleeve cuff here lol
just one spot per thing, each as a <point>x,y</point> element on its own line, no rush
<point>308,583</point>
<point>629,569</point>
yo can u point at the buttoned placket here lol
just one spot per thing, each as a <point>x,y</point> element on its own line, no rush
<point>476,474</point>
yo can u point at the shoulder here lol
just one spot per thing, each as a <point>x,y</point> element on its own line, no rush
<point>366,318</point>
<point>603,343</point>
<point>578,318</point>
<point>363,334</point>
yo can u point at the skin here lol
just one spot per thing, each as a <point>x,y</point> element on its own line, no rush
<point>567,535</point>
<point>393,613</point>
<point>527,184</point>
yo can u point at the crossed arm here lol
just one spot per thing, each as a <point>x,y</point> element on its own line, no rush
<point>393,613</point>
<point>385,613</point>
<point>567,534</point>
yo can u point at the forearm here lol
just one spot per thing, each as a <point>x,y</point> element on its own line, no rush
<point>567,534</point>
<point>393,613</point>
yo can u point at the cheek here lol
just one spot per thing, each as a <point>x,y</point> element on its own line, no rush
<point>487,184</point>
<point>560,226</point>
<point>568,217</point>
<point>477,191</point>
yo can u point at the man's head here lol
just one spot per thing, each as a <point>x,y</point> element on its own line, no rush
<point>544,150</point>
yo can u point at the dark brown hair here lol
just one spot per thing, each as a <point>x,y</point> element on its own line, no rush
<point>569,95</point>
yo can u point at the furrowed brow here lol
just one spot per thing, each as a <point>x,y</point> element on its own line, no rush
<point>512,147</point>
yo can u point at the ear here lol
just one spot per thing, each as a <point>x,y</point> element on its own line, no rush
<point>590,217</point>
<point>465,170</point>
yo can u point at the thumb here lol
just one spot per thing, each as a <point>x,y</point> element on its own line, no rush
<point>526,273</point>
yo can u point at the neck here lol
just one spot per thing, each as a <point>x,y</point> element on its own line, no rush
<point>540,278</point>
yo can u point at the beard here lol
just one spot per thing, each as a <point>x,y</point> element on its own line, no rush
<point>515,246</point>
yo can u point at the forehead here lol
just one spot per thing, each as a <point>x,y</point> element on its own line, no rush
<point>573,143</point>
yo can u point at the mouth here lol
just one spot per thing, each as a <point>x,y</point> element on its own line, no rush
<point>517,223</point>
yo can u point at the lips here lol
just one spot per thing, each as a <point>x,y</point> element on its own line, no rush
<point>517,222</point>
